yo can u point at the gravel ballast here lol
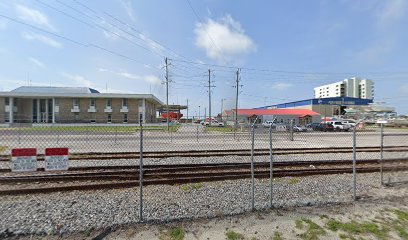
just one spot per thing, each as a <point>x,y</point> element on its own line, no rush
<point>84,210</point>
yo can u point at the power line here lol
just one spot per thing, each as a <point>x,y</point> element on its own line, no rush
<point>209,36</point>
<point>109,31</point>
<point>73,41</point>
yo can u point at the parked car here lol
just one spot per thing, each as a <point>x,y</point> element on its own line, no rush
<point>325,127</point>
<point>351,123</point>
<point>313,126</point>
<point>267,124</point>
<point>213,123</point>
<point>298,128</point>
<point>339,126</point>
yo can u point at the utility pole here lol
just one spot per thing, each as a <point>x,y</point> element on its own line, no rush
<point>222,106</point>
<point>209,95</point>
<point>236,103</point>
<point>167,94</point>
<point>187,111</point>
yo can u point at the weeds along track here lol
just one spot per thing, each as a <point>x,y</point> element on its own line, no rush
<point>109,177</point>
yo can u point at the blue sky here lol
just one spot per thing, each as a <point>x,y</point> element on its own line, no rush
<point>284,48</point>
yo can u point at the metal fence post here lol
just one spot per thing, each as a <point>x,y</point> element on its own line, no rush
<point>354,165</point>
<point>141,175</point>
<point>252,168</point>
<point>197,133</point>
<point>19,135</point>
<point>270,166</point>
<point>116,134</point>
<point>291,130</point>
<point>382,153</point>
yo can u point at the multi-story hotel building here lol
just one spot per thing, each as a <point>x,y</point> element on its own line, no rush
<point>352,87</point>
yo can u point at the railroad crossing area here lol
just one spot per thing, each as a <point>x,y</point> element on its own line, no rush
<point>115,175</point>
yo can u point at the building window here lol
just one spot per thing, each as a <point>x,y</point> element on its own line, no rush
<point>125,102</point>
<point>125,118</point>
<point>75,102</point>
<point>76,116</point>
<point>7,103</point>
<point>92,102</point>
<point>109,118</point>
<point>109,103</point>
<point>56,102</point>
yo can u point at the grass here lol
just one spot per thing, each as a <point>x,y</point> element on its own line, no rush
<point>219,129</point>
<point>231,235</point>
<point>277,236</point>
<point>112,129</point>
<point>401,215</point>
<point>299,224</point>
<point>176,233</point>
<point>313,230</point>
<point>293,181</point>
<point>193,186</point>
<point>2,148</point>
<point>356,228</point>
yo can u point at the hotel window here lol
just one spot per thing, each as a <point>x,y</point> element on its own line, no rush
<point>56,102</point>
<point>75,102</point>
<point>125,118</point>
<point>125,102</point>
<point>7,103</point>
<point>109,118</point>
<point>109,103</point>
<point>92,102</point>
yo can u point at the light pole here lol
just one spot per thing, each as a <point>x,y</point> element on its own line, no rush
<point>199,113</point>
<point>320,108</point>
<point>222,106</point>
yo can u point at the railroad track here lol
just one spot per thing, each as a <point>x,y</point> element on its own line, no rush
<point>124,177</point>
<point>216,153</point>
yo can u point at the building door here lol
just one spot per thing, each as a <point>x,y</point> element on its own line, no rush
<point>43,111</point>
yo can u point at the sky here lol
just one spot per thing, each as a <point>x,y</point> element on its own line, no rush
<point>281,49</point>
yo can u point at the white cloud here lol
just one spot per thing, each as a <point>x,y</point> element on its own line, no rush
<point>33,16</point>
<point>3,24</point>
<point>223,40</point>
<point>404,88</point>
<point>154,80</point>
<point>49,41</point>
<point>390,12</point>
<point>78,80</point>
<point>281,86</point>
<point>127,5</point>
<point>37,62</point>
<point>128,75</point>
<point>150,79</point>
<point>151,44</point>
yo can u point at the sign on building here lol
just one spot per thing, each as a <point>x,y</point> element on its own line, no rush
<point>23,159</point>
<point>56,159</point>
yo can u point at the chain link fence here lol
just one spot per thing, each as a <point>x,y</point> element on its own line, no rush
<point>188,170</point>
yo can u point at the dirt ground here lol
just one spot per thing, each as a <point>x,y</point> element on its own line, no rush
<point>381,214</point>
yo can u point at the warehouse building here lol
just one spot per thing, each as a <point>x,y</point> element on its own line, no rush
<point>326,107</point>
<point>284,116</point>
<point>29,104</point>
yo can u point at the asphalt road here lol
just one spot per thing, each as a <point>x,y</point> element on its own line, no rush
<point>188,137</point>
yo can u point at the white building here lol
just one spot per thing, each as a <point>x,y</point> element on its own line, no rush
<point>352,87</point>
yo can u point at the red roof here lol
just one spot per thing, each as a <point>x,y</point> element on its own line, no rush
<point>260,112</point>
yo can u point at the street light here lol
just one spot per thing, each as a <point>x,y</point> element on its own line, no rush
<point>199,113</point>
<point>222,106</point>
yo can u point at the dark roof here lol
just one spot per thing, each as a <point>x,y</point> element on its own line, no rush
<point>35,89</point>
